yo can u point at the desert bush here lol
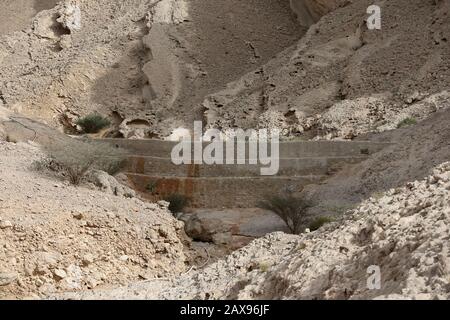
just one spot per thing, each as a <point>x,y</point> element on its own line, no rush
<point>407,122</point>
<point>264,266</point>
<point>177,202</point>
<point>76,158</point>
<point>151,187</point>
<point>113,164</point>
<point>45,164</point>
<point>93,123</point>
<point>289,208</point>
<point>317,223</point>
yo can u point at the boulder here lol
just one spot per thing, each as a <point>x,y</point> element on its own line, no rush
<point>109,184</point>
<point>7,278</point>
<point>207,229</point>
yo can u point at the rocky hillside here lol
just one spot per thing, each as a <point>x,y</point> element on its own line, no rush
<point>404,232</point>
<point>415,150</point>
<point>55,237</point>
<point>341,79</point>
<point>155,66</point>
<point>147,65</point>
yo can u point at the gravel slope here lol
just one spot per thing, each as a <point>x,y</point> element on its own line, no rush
<point>55,237</point>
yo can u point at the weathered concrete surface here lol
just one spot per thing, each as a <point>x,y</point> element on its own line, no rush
<point>152,173</point>
<point>288,149</point>
<point>288,167</point>
<point>217,192</point>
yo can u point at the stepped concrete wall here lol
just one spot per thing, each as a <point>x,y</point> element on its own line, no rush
<point>152,173</point>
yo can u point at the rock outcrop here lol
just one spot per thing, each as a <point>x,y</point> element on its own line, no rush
<point>340,65</point>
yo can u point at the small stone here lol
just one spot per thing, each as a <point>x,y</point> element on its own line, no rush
<point>163,204</point>
<point>92,282</point>
<point>123,258</point>
<point>59,274</point>
<point>5,224</point>
<point>7,278</point>
<point>87,259</point>
<point>48,259</point>
<point>152,235</point>
<point>47,288</point>
<point>163,232</point>
<point>78,216</point>
<point>38,282</point>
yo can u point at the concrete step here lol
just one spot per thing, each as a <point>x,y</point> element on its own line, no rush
<point>218,192</point>
<point>294,149</point>
<point>155,166</point>
<point>151,171</point>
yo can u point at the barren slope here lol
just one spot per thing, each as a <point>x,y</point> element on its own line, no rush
<point>145,64</point>
<point>55,237</point>
<point>345,73</point>
<point>415,151</point>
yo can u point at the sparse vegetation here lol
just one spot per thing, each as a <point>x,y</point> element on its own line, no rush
<point>115,165</point>
<point>407,122</point>
<point>93,123</point>
<point>151,187</point>
<point>177,202</point>
<point>264,266</point>
<point>290,208</point>
<point>75,158</point>
<point>45,164</point>
<point>377,195</point>
<point>317,223</point>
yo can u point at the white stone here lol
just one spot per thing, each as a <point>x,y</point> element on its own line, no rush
<point>5,224</point>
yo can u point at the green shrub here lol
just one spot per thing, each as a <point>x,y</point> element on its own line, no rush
<point>93,123</point>
<point>75,158</point>
<point>151,187</point>
<point>113,165</point>
<point>177,202</point>
<point>407,122</point>
<point>291,209</point>
<point>319,222</point>
<point>264,266</point>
